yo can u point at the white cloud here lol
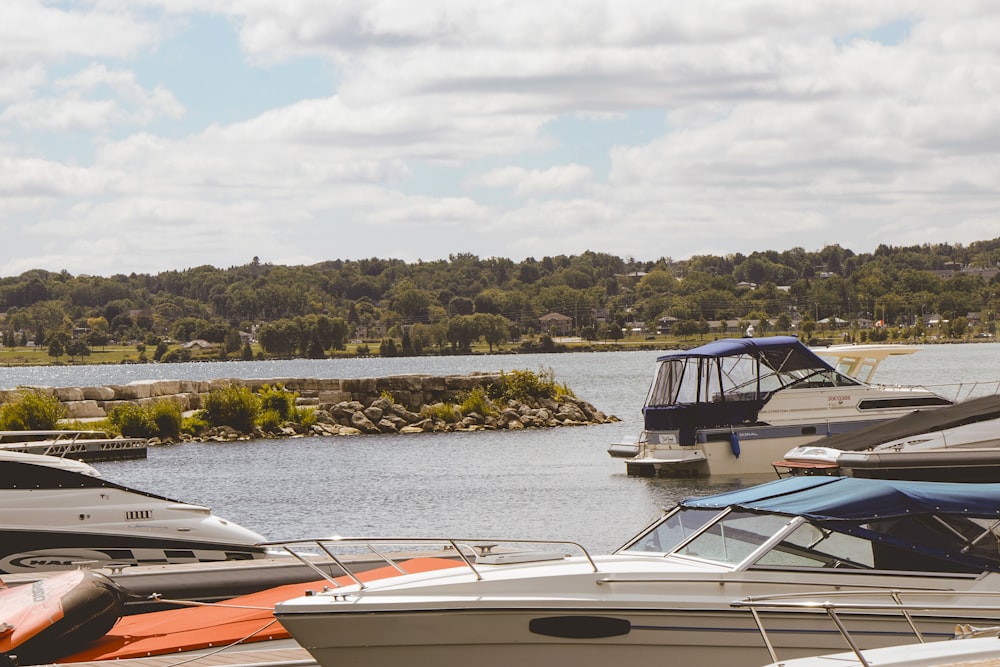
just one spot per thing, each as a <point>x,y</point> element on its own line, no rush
<point>788,124</point>
<point>533,182</point>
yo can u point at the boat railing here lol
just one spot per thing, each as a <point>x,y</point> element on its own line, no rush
<point>955,391</point>
<point>824,601</point>
<point>470,551</point>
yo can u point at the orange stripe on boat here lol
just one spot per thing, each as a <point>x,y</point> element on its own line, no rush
<point>212,626</point>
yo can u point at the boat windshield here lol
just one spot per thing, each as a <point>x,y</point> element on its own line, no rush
<point>944,544</point>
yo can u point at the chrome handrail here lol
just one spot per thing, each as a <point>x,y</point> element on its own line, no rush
<point>954,391</point>
<point>813,600</point>
<point>461,547</point>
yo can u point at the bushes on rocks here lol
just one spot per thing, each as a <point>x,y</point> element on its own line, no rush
<point>235,411</point>
<point>234,406</point>
<point>476,411</point>
<point>161,419</point>
<point>520,399</point>
<point>31,410</point>
<point>523,385</point>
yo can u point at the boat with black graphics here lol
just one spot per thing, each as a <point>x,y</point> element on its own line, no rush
<point>59,513</point>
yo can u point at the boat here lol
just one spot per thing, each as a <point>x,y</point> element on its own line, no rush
<point>57,615</point>
<point>971,646</point>
<point>58,513</point>
<point>84,445</point>
<point>959,443</point>
<point>979,652</point>
<point>241,623</point>
<point>734,406</point>
<point>669,590</point>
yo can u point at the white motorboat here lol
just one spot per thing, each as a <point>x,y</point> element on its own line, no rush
<point>978,652</point>
<point>58,513</point>
<point>972,646</point>
<point>959,443</point>
<point>669,591</point>
<point>734,406</point>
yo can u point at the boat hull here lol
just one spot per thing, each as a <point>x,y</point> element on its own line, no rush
<point>755,450</point>
<point>945,465</point>
<point>502,637</point>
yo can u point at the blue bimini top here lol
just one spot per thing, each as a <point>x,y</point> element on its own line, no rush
<point>857,500</point>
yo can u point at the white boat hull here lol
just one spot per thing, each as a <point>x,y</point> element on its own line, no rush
<point>501,638</point>
<point>757,454</point>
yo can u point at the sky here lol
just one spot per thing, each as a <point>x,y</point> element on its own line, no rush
<point>154,135</point>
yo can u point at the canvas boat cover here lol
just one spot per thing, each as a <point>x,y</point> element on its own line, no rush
<point>856,500</point>
<point>916,423</point>
<point>777,352</point>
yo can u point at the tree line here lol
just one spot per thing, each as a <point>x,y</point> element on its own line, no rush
<point>444,306</point>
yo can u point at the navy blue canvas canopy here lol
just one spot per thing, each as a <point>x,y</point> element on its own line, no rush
<point>854,499</point>
<point>726,382</point>
<point>784,352</point>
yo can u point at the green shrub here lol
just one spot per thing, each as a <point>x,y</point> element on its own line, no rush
<point>194,424</point>
<point>168,417</point>
<point>446,412</point>
<point>269,420</point>
<point>524,385</point>
<point>133,420</point>
<point>162,420</point>
<point>477,401</point>
<point>31,410</point>
<point>304,416</point>
<point>279,400</point>
<point>234,406</point>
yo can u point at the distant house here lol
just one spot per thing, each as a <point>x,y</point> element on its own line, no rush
<point>665,324</point>
<point>724,327</point>
<point>556,323</point>
<point>198,344</point>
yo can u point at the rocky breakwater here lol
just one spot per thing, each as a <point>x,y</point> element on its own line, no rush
<point>393,404</point>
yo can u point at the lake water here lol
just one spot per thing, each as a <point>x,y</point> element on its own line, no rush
<point>540,484</point>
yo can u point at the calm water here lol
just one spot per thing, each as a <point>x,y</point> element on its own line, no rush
<point>555,483</point>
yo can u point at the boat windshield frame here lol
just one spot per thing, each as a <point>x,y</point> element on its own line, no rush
<point>790,524</point>
<point>730,541</point>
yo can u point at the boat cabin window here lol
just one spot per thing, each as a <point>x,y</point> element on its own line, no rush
<point>813,546</point>
<point>734,538</point>
<point>729,539</point>
<point>908,544</point>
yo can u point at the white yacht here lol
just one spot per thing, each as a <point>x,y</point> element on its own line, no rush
<point>957,443</point>
<point>735,406</point>
<point>58,513</point>
<point>668,594</point>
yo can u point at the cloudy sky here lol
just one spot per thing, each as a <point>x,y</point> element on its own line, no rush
<point>149,135</point>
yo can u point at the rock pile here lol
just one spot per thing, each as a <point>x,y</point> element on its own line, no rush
<point>392,404</point>
<point>381,415</point>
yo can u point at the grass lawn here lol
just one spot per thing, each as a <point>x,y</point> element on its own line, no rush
<point>117,354</point>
